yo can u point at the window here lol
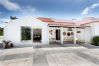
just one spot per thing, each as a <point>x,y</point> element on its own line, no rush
<point>37,35</point>
<point>25,33</point>
<point>69,29</point>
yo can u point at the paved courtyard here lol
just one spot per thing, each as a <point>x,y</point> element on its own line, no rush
<point>16,57</point>
<point>50,56</point>
<point>66,56</point>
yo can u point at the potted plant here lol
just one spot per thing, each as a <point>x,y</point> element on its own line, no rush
<point>7,44</point>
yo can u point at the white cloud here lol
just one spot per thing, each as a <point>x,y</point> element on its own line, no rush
<point>95,5</point>
<point>28,10</point>
<point>3,21</point>
<point>88,9</point>
<point>10,5</point>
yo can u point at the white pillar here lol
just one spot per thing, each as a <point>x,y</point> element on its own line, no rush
<point>61,35</point>
<point>84,36</point>
<point>75,31</point>
<point>48,35</point>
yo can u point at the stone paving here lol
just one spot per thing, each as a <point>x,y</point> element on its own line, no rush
<point>66,56</point>
<point>67,59</point>
<point>17,57</point>
<point>70,55</point>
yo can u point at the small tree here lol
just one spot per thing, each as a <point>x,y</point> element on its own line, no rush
<point>13,18</point>
<point>95,40</point>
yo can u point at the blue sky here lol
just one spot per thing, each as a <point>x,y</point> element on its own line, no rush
<point>66,9</point>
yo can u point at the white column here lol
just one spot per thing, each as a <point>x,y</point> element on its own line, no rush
<point>75,31</point>
<point>61,35</point>
<point>84,36</point>
<point>48,35</point>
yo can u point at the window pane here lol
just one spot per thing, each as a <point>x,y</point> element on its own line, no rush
<point>26,33</point>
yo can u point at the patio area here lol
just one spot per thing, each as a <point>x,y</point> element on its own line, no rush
<point>55,45</point>
<point>16,56</point>
<point>52,55</point>
<point>66,56</point>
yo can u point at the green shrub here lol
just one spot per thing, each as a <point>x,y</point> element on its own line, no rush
<point>95,40</point>
<point>1,33</point>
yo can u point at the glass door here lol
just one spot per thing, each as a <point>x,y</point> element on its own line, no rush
<point>37,35</point>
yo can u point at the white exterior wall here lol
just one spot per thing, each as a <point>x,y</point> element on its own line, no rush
<point>80,36</point>
<point>12,31</point>
<point>91,31</point>
<point>87,33</point>
<point>96,29</point>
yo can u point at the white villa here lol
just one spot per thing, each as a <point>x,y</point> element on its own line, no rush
<point>45,31</point>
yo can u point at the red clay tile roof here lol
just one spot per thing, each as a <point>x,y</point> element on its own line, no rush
<point>45,19</point>
<point>53,22</point>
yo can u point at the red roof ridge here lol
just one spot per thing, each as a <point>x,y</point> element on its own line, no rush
<point>51,21</point>
<point>43,19</point>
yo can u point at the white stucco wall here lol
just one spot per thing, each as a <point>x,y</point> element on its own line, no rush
<point>80,36</point>
<point>96,29</point>
<point>88,33</point>
<point>12,30</point>
<point>92,31</point>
